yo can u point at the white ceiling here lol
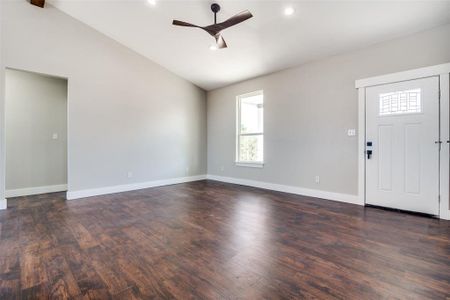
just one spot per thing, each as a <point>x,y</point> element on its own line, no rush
<point>266,43</point>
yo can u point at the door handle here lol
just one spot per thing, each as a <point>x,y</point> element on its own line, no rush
<point>369,151</point>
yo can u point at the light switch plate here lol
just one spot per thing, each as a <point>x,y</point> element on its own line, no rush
<point>55,136</point>
<point>351,132</point>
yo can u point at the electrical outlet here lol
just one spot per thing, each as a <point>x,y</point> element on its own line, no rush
<point>129,174</point>
<point>187,170</point>
<point>317,179</point>
<point>55,136</point>
<point>222,168</point>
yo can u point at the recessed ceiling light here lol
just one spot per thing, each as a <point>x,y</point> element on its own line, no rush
<point>213,47</point>
<point>152,2</point>
<point>289,11</point>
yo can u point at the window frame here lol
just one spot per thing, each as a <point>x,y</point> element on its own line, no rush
<point>253,164</point>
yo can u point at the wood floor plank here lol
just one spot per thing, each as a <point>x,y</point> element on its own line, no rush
<point>82,235</point>
<point>60,280</point>
<point>210,240</point>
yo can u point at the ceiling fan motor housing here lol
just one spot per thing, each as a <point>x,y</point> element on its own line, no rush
<point>215,8</point>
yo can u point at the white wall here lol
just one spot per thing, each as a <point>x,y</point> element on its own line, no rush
<point>126,113</point>
<point>308,110</point>
<point>35,110</point>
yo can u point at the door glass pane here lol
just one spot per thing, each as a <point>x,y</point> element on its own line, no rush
<point>251,148</point>
<point>400,102</point>
<point>252,114</point>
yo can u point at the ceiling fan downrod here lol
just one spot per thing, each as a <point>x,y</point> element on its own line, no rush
<point>215,8</point>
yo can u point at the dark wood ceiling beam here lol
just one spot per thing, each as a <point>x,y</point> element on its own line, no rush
<point>39,3</point>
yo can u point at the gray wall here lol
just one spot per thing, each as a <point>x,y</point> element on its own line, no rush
<point>126,113</point>
<point>36,108</point>
<point>308,110</point>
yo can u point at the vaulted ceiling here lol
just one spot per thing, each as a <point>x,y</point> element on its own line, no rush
<point>268,42</point>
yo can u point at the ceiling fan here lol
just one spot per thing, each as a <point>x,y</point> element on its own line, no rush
<point>216,28</point>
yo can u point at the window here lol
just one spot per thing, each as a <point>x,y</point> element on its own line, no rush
<point>250,131</point>
<point>401,102</point>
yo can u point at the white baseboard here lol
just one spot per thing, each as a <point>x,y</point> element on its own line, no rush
<point>3,204</point>
<point>36,190</point>
<point>71,195</point>
<point>354,199</point>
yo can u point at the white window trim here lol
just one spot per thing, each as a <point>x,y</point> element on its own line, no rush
<point>251,164</point>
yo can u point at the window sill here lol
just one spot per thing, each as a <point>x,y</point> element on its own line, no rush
<point>250,164</point>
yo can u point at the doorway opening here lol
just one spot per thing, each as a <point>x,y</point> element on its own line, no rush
<point>35,133</point>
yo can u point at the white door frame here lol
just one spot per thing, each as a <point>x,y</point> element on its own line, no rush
<point>443,72</point>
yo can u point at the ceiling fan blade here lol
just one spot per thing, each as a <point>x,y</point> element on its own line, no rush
<point>220,42</point>
<point>215,29</point>
<point>39,3</point>
<point>181,23</point>
<point>240,17</point>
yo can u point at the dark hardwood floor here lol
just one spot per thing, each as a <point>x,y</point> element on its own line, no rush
<point>208,240</point>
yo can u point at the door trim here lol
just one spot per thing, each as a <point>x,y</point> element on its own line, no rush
<point>443,72</point>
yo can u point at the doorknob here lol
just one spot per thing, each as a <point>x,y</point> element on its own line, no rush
<point>369,153</point>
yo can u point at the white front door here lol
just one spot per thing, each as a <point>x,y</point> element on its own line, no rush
<point>402,148</point>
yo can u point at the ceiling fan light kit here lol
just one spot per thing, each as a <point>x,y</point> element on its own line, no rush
<point>216,28</point>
